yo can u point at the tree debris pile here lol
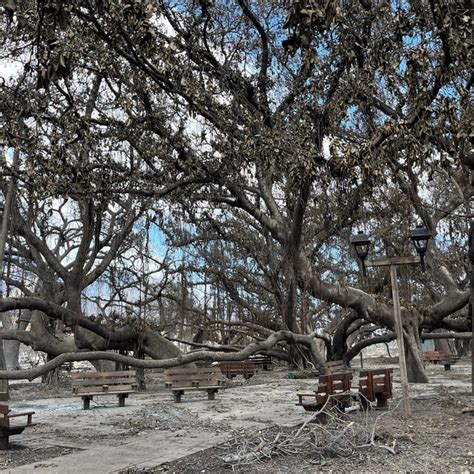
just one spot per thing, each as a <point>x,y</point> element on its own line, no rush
<point>341,436</point>
<point>162,416</point>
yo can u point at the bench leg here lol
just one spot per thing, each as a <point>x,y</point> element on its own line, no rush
<point>382,401</point>
<point>343,403</point>
<point>177,396</point>
<point>364,403</point>
<point>86,402</point>
<point>321,418</point>
<point>4,443</point>
<point>211,394</point>
<point>121,399</point>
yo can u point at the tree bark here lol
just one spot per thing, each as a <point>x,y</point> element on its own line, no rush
<point>415,367</point>
<point>11,348</point>
<point>3,241</point>
<point>182,359</point>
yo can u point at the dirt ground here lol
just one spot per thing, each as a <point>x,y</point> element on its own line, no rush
<point>250,427</point>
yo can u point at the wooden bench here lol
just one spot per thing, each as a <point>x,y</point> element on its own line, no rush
<point>448,360</point>
<point>261,360</point>
<point>431,356</point>
<point>436,357</point>
<point>181,379</point>
<point>333,391</point>
<point>6,428</point>
<point>375,385</point>
<point>231,369</point>
<point>335,367</point>
<point>89,384</point>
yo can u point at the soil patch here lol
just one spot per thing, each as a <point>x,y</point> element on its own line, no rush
<point>439,438</point>
<point>19,454</point>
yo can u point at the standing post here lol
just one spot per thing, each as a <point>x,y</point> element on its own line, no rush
<point>470,162</point>
<point>419,237</point>
<point>400,340</point>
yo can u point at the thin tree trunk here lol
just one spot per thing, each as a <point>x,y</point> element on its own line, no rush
<point>3,240</point>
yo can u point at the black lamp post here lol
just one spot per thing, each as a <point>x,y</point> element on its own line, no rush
<point>361,243</point>
<point>420,236</point>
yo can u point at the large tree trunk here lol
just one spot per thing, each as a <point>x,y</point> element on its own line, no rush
<point>3,366</point>
<point>415,367</point>
<point>11,348</point>
<point>442,345</point>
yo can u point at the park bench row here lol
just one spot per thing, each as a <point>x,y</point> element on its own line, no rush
<point>333,389</point>
<point>87,385</point>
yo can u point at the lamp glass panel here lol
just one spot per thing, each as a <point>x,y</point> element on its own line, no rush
<point>362,250</point>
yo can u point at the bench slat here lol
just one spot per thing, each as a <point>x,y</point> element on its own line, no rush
<point>103,381</point>
<point>93,394</point>
<point>216,371</point>
<point>364,373</point>
<point>95,375</point>
<point>182,379</point>
<point>207,387</point>
<point>196,370</point>
<point>99,389</point>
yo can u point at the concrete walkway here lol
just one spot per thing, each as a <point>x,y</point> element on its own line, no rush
<point>147,451</point>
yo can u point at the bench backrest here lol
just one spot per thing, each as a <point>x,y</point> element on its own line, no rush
<point>237,367</point>
<point>335,367</point>
<point>377,380</point>
<point>440,356</point>
<point>118,381</point>
<point>432,355</point>
<point>335,383</point>
<point>182,377</point>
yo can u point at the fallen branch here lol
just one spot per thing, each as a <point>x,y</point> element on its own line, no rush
<point>339,436</point>
<point>183,359</point>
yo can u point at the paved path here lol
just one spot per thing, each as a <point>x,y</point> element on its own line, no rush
<point>147,451</point>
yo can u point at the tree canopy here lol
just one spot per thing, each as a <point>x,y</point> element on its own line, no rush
<point>257,136</point>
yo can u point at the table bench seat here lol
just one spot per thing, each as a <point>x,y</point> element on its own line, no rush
<point>375,385</point>
<point>231,369</point>
<point>6,428</point>
<point>261,360</point>
<point>333,391</point>
<point>181,379</point>
<point>90,384</point>
<point>436,357</point>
